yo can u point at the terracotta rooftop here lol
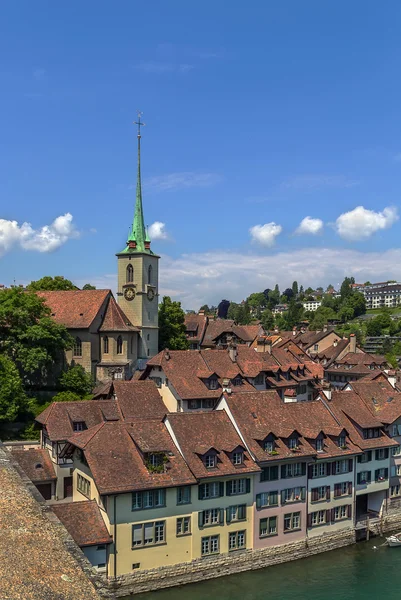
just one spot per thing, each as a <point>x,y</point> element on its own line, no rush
<point>84,522</point>
<point>116,454</point>
<point>139,400</point>
<point>362,358</point>
<point>196,324</point>
<point>76,309</point>
<point>216,328</point>
<point>36,464</point>
<point>115,319</point>
<point>197,433</point>
<point>380,398</point>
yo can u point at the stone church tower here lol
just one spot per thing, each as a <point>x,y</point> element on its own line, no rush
<point>138,277</point>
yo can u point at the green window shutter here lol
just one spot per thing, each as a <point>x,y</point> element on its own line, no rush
<point>282,471</point>
<point>273,473</point>
<point>369,455</point>
<point>358,478</point>
<point>303,469</point>
<point>221,488</point>
<point>200,519</point>
<point>303,493</point>
<point>242,511</point>
<point>228,515</point>
<point>386,453</point>
<point>258,501</point>
<point>385,473</point>
<point>376,474</point>
<point>201,488</point>
<point>369,479</point>
<point>228,488</point>
<point>376,454</point>
<point>282,497</point>
<point>221,518</point>
<point>359,458</point>
<point>248,486</point>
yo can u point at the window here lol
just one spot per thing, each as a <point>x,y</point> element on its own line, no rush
<point>155,460</point>
<point>381,453</point>
<point>268,527</point>
<point>343,489</point>
<point>268,446</point>
<point>211,516</point>
<point>363,477</point>
<point>213,383</point>
<point>320,493</point>
<point>295,494</point>
<point>79,426</point>
<point>101,547</point>
<point>318,517</point>
<point>210,461</point>
<point>319,445</point>
<point>148,534</point>
<point>341,466</point>
<point>183,526</point>
<point>395,430</point>
<point>236,540</point>
<point>266,499</point>
<point>184,494</point>
<point>210,545</point>
<point>319,470</point>
<point>106,344</point>
<point>396,451</point>
<point>292,521</point>
<point>395,490</point>
<point>236,513</point>
<point>238,458</point>
<point>371,433</point>
<point>148,499</point>
<point>316,347</point>
<point>381,475</point>
<point>214,489</point>
<point>84,485</point>
<point>77,347</point>
<point>150,275</point>
<point>365,457</point>
<point>238,486</point>
<point>293,470</point>
<point>293,443</point>
<point>130,274</point>
<point>119,345</point>
<point>237,381</point>
<point>269,473</point>
<point>259,379</point>
<point>341,441</point>
<point>157,380</point>
<point>341,512</point>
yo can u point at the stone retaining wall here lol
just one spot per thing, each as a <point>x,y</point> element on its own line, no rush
<point>228,564</point>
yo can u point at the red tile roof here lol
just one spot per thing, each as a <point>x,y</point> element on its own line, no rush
<point>84,522</point>
<point>197,433</point>
<point>139,400</point>
<point>115,453</point>
<point>36,464</point>
<point>215,328</point>
<point>197,325</point>
<point>115,319</point>
<point>76,309</point>
<point>380,398</point>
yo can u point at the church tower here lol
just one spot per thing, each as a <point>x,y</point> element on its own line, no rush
<point>138,275</point>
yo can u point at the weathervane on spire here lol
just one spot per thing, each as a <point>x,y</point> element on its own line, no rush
<point>139,123</point>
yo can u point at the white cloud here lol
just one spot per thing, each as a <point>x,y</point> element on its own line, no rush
<point>265,234</point>
<point>185,179</point>
<point>312,182</point>
<point>163,67</point>
<point>361,223</point>
<point>46,239</point>
<point>309,225</point>
<point>157,231</point>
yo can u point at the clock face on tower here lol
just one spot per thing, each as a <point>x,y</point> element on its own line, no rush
<point>150,294</point>
<point>129,293</point>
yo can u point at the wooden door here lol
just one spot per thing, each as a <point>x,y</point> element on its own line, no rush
<point>67,487</point>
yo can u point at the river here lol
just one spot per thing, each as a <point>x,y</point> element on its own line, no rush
<point>356,572</point>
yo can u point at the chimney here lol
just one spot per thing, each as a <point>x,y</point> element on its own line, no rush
<point>325,327</point>
<point>335,343</point>
<point>167,354</point>
<point>233,352</point>
<point>201,313</point>
<point>294,331</point>
<point>352,343</point>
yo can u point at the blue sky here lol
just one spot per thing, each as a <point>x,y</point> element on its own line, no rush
<point>257,116</point>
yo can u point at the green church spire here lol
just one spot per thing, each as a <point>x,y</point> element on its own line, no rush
<point>138,239</point>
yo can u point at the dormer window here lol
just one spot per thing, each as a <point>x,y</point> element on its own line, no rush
<point>238,458</point>
<point>155,462</point>
<point>79,426</point>
<point>341,441</point>
<point>319,445</point>
<point>372,432</point>
<point>259,379</point>
<point>268,446</point>
<point>210,461</point>
<point>237,381</point>
<point>293,443</point>
<point>213,383</point>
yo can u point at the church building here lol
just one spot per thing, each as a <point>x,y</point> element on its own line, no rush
<point>113,339</point>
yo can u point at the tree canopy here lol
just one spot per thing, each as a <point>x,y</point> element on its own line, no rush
<point>51,284</point>
<point>89,286</point>
<point>75,379</point>
<point>222,309</point>
<point>172,325</point>
<point>12,395</point>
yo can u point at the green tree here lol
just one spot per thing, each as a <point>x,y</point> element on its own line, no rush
<point>75,379</point>
<point>66,397</point>
<point>51,283</point>
<point>267,319</point>
<point>257,302</point>
<point>232,311</point>
<point>205,308</point>
<point>356,301</point>
<point>373,327</point>
<point>320,318</point>
<point>309,291</point>
<point>294,314</point>
<point>345,313</point>
<point>13,400</point>
<point>295,288</point>
<point>89,286</point>
<point>30,337</point>
<point>346,289</point>
<point>172,325</point>
<point>243,315</point>
<point>273,297</point>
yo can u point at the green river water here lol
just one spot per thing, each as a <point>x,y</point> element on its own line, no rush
<point>356,572</point>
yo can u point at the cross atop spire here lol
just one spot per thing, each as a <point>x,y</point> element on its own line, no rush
<point>139,123</point>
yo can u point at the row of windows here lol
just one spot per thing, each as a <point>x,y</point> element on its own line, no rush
<point>265,499</point>
<point>334,468</point>
<point>77,346</point>
<point>268,526</point>
<point>366,476</point>
<point>83,485</point>
<point>129,274</point>
<point>323,517</point>
<point>323,492</point>
<point>215,516</point>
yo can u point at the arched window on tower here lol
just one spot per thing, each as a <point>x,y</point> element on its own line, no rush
<point>105,345</point>
<point>150,275</point>
<point>77,347</point>
<point>130,274</point>
<point>119,345</point>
